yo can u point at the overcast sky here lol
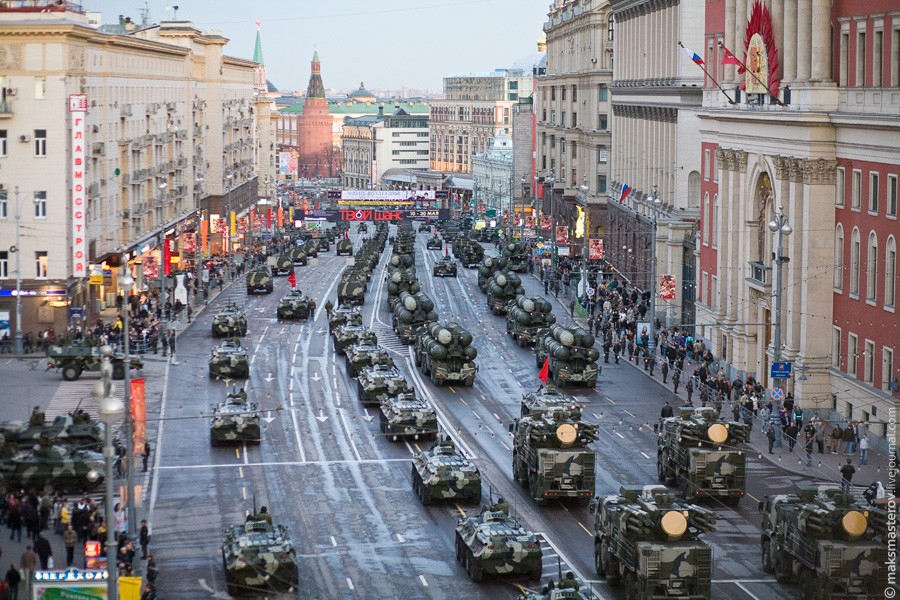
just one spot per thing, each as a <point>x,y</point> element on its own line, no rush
<point>386,44</point>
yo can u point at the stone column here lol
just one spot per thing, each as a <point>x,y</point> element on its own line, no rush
<point>789,49</point>
<point>740,29</point>
<point>821,38</point>
<point>777,12</point>
<point>804,39</point>
<point>731,42</point>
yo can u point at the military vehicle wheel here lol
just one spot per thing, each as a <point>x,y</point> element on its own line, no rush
<point>609,565</point>
<point>807,585</point>
<point>631,587</point>
<point>598,560</point>
<point>784,568</point>
<point>474,569</point>
<point>661,471</point>
<point>459,549</point>
<point>424,494</point>
<point>351,370</point>
<point>767,565</point>
<point>71,372</point>
<point>522,342</point>
<point>733,500</point>
<point>532,487</point>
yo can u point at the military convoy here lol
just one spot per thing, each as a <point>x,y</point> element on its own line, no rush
<point>344,246</point>
<point>295,306</point>
<point>488,266</point>
<point>401,278</point>
<point>229,322</point>
<point>444,352</point>
<point>502,288</point>
<point>698,452</point>
<point>351,288</point>
<point>647,539</point>
<point>411,312</point>
<point>283,264</point>
<point>377,383</point>
<point>258,555</point>
<point>445,267</point>
<point>78,357</point>
<point>76,429</point>
<point>298,256</point>
<point>444,473</point>
<point>259,280</point>
<point>235,420</point>
<point>229,361</point>
<point>407,416</point>
<point>516,255</point>
<point>526,317</point>
<point>494,543</point>
<point>50,466</point>
<point>350,333</point>
<point>570,355</point>
<point>826,542</point>
<point>344,314</point>
<point>434,243</point>
<point>365,354</point>
<point>468,251</point>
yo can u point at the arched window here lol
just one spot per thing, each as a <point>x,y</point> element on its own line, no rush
<point>854,262</point>
<point>611,28</point>
<point>839,257</point>
<point>707,220</point>
<point>890,272</point>
<point>872,267</point>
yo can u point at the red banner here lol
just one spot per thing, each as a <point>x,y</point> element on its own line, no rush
<point>562,234</point>
<point>280,217</point>
<point>167,255</point>
<point>268,218</point>
<point>253,219</point>
<point>667,287</point>
<point>529,222</point>
<point>188,243</point>
<point>595,249</point>
<point>204,236</point>
<point>151,268</point>
<point>138,415</point>
<point>545,222</point>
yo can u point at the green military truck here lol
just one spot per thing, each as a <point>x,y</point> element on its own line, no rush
<point>698,452</point>
<point>570,356</point>
<point>649,540</point>
<point>826,542</point>
<point>76,358</point>
<point>260,280</point>
<point>502,288</point>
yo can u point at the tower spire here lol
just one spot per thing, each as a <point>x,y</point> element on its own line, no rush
<point>259,75</point>
<point>315,89</point>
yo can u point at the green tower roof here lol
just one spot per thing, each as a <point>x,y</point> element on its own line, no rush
<point>257,50</point>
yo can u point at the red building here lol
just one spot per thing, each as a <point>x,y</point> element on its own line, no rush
<point>314,129</point>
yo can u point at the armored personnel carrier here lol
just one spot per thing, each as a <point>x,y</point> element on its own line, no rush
<point>229,361</point>
<point>424,228</point>
<point>443,473</point>
<point>235,420</point>
<point>229,322</point>
<point>526,317</point>
<point>259,280</point>
<point>377,383</point>
<point>76,358</point>
<point>351,288</point>
<point>406,416</point>
<point>343,315</point>
<point>258,554</point>
<point>298,256</point>
<point>365,354</point>
<point>59,468</point>
<point>434,243</point>
<point>445,353</point>
<point>551,455</point>
<point>311,248</point>
<point>324,243</point>
<point>469,252</point>
<point>283,264</point>
<point>698,452</point>
<point>570,354</point>
<point>826,542</point>
<point>494,543</point>
<point>650,540</point>
<point>411,312</point>
<point>295,306</point>
<point>344,246</point>
<point>349,334</point>
<point>76,429</point>
<point>445,267</point>
<point>550,399</point>
<point>362,228</point>
<point>502,288</point>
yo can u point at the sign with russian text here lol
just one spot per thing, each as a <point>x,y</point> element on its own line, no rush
<point>412,214</point>
<point>78,108</point>
<point>595,249</point>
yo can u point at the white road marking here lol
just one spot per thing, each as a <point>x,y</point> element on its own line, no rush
<point>291,384</point>
<point>349,435</point>
<point>476,415</point>
<point>350,583</point>
<point>629,414</point>
<point>748,592</point>
<point>337,399</point>
<point>333,541</point>
<point>610,400</point>
<point>644,454</point>
<point>422,579</point>
<point>496,416</point>
<point>504,445</point>
<point>252,359</point>
<point>400,538</point>
<point>296,424</point>
<point>619,434</point>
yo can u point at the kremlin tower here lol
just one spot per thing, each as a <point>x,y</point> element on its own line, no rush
<point>314,129</point>
<point>259,74</point>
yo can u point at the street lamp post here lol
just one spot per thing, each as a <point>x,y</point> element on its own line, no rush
<point>111,411</point>
<point>551,180</point>
<point>19,343</point>
<point>126,281</point>
<point>780,226</point>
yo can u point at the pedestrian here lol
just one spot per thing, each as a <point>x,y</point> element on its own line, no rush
<point>666,411</point>
<point>606,347</point>
<point>172,346</point>
<point>820,436</point>
<point>152,570</point>
<point>770,435</point>
<point>149,592</point>
<point>617,347</point>
<point>864,450</point>
<point>164,339</point>
<point>849,438</point>
<point>791,433</point>
<point>13,578</point>
<point>676,379</point>
<point>29,562</point>
<point>665,370</point>
<point>837,434</point>
<point>328,308</point>
<point>146,455</point>
<point>69,539</point>
<point>689,388</point>
<point>847,471</point>
<point>144,538</point>
<point>190,311</point>
<point>652,361</point>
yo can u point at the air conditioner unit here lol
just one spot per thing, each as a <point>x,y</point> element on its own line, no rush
<point>11,91</point>
<point>24,138</point>
<point>593,61</point>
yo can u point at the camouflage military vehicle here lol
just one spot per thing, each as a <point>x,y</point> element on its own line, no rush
<point>697,451</point>
<point>468,251</point>
<point>517,257</point>
<point>405,415</point>
<point>259,280</point>
<point>650,540</point>
<point>434,243</point>
<point>76,358</point>
<point>346,335</point>
<point>49,466</point>
<point>229,361</point>
<point>76,429</point>
<point>229,322</point>
<point>411,312</point>
<point>493,543</point>
<point>401,280</point>
<point>551,455</point>
<point>344,314</point>
<point>424,228</point>
<point>344,246</point>
<point>570,354</point>
<point>377,383</point>
<point>445,267</point>
<point>259,555</point>
<point>284,263</point>
<point>526,317</point>
<point>489,235</point>
<point>488,266</point>
<point>235,420</point>
<point>362,228</point>
<point>444,352</point>
<point>295,306</point>
<point>826,542</point>
<point>365,354</point>
<point>559,593</point>
<point>550,399</point>
<point>351,288</point>
<point>443,473</point>
<point>298,256</point>
<point>324,243</point>
<point>311,248</point>
<point>502,288</point>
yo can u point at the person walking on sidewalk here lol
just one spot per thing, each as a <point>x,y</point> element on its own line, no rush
<point>848,438</point>
<point>13,578</point>
<point>172,346</point>
<point>688,387</point>
<point>847,471</point>
<point>809,450</point>
<point>864,450</point>
<point>69,539</point>
<point>676,379</point>
<point>665,370</point>
<point>770,435</point>
<point>791,433</point>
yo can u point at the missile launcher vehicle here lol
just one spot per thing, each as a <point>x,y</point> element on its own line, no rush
<point>411,312</point>
<point>444,352</point>
<point>502,288</point>
<point>526,317</point>
<point>570,354</point>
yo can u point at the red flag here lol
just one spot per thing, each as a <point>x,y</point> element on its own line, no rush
<point>544,374</point>
<point>728,57</point>
<point>446,251</point>
<point>138,415</point>
<point>292,279</point>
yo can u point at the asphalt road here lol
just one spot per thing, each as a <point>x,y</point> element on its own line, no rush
<point>344,491</point>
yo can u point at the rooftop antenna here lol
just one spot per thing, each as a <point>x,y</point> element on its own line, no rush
<point>145,15</point>
<point>174,10</point>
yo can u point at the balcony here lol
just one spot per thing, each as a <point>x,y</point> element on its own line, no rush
<point>759,276</point>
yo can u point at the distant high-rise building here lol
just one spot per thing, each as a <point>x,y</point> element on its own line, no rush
<point>314,129</point>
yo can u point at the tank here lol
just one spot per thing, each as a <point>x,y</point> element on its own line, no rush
<point>298,256</point>
<point>344,314</point>
<point>350,333</point>
<point>284,264</point>
<point>649,540</point>
<point>229,322</point>
<point>406,416</point>
<point>444,352</point>
<point>235,420</point>
<point>366,354</point>
<point>377,383</point>
<point>295,306</point>
<point>434,243</point>
<point>826,542</point>
<point>570,356</point>
<point>47,466</point>
<point>698,452</point>
<point>445,267</point>
<point>258,555</point>
<point>229,361</point>
<point>526,317</point>
<point>75,429</point>
<point>362,228</point>
<point>259,280</point>
<point>344,247</point>
<point>494,543</point>
<point>443,473</point>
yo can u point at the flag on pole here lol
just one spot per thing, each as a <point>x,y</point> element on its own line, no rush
<point>728,57</point>
<point>626,189</point>
<point>692,55</point>
<point>292,279</point>
<point>544,373</point>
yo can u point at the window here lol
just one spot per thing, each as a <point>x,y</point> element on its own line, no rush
<point>602,122</point>
<point>40,265</point>
<point>553,92</point>
<point>869,362</point>
<point>839,188</point>
<point>892,196</point>
<point>40,88</point>
<point>544,115</point>
<point>851,354</point>
<point>602,154</point>
<point>887,367</point>
<point>854,263</point>
<point>895,58</point>
<point>714,292</point>
<point>872,268</point>
<point>553,117</point>
<point>890,272</point>
<point>552,142</point>
<point>574,120</point>
<point>856,191</point>
<point>4,264</point>
<point>877,51</point>
<point>513,85</point>
<point>562,146</point>
<point>574,93</point>
<point>574,150</point>
<point>704,288</point>
<point>715,169</point>
<point>564,121</point>
<point>707,219</point>
<point>706,165</point>
<point>3,143</point>
<point>601,184</point>
<point>836,347</point>
<point>40,142</point>
<point>611,28</point>
<point>40,205</point>
<point>839,257</point>
<point>860,59</point>
<point>713,237</point>
<point>563,89</point>
<point>873,192</point>
<point>604,93</point>
<point>843,77</point>
<point>4,204</point>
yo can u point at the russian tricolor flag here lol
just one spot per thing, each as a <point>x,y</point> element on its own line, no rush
<point>693,55</point>
<point>626,189</point>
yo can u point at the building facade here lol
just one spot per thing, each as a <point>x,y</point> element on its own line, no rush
<point>812,136</point>
<point>374,144</point>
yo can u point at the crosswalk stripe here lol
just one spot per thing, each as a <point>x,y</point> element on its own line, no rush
<point>77,394</point>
